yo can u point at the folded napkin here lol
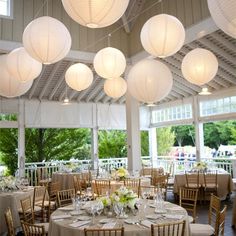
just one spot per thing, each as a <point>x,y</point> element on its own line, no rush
<point>60,217</point>
<point>174,217</point>
<point>146,223</point>
<point>79,223</point>
<point>109,225</point>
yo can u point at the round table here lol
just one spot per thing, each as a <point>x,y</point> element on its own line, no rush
<point>61,227</point>
<point>12,200</point>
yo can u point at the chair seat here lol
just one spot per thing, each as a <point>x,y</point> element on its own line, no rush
<point>46,204</point>
<point>46,226</point>
<point>201,230</point>
<point>36,208</point>
<point>211,186</point>
<point>192,186</point>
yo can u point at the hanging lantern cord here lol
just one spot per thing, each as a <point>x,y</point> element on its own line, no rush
<point>109,40</point>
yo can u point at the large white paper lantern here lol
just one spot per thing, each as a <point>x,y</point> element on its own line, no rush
<point>199,66</point>
<point>95,13</point>
<point>109,63</point>
<point>223,13</point>
<point>9,86</point>
<point>79,76</point>
<point>162,35</point>
<point>22,66</point>
<point>47,40</point>
<point>149,81</point>
<point>115,88</point>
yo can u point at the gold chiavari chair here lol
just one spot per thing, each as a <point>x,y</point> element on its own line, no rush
<point>161,182</point>
<point>64,197</point>
<point>168,229</point>
<point>219,231</point>
<point>192,180</point>
<point>9,222</point>
<point>79,185</point>
<point>213,219</point>
<point>188,200</point>
<point>133,184</point>
<point>28,213</point>
<point>210,185</point>
<point>32,229</point>
<point>104,232</point>
<point>102,187</point>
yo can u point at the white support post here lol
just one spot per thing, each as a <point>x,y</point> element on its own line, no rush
<point>133,133</point>
<point>94,141</point>
<point>152,135</point>
<point>21,139</point>
<point>199,137</point>
<point>94,149</point>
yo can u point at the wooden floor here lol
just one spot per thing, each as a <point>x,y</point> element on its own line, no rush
<point>202,213</point>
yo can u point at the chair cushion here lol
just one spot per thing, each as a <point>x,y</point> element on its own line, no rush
<point>46,226</point>
<point>201,230</point>
<point>192,185</point>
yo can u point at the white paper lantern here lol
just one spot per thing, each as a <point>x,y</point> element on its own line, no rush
<point>109,63</point>
<point>95,13</point>
<point>115,88</point>
<point>22,66</point>
<point>162,35</point>
<point>149,81</point>
<point>199,66</point>
<point>79,76</point>
<point>47,40</point>
<point>9,86</point>
<point>223,13</point>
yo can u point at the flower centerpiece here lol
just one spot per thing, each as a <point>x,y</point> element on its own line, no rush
<point>8,183</point>
<point>121,173</point>
<point>200,166</point>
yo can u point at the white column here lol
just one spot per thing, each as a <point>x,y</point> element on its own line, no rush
<point>133,133</point>
<point>94,147</point>
<point>199,137</point>
<point>21,139</point>
<point>152,135</point>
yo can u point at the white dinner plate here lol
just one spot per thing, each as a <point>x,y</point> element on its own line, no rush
<point>105,221</point>
<point>152,216</point>
<point>83,218</point>
<point>76,213</point>
<point>130,221</point>
<point>160,211</point>
<point>66,208</point>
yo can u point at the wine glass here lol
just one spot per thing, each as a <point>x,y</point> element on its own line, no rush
<point>93,212</point>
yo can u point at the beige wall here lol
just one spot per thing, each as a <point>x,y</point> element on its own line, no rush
<point>85,39</point>
<point>189,12</point>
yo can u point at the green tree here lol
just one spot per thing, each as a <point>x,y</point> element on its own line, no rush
<point>184,135</point>
<point>112,143</point>
<point>165,140</point>
<point>144,143</point>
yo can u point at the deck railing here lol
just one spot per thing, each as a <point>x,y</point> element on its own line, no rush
<point>41,170</point>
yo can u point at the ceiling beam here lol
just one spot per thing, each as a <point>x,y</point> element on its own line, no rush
<point>125,24</point>
<point>60,81</point>
<point>49,79</point>
<point>36,81</point>
<point>95,91</point>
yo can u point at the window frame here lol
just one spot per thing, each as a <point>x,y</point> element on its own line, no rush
<point>11,2</point>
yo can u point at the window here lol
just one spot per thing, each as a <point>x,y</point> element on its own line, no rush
<point>6,8</point>
<point>181,112</point>
<point>218,106</point>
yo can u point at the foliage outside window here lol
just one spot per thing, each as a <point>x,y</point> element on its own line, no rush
<point>8,117</point>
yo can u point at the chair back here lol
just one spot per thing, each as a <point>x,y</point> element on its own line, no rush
<point>54,187</point>
<point>133,184</point>
<point>188,200</point>
<point>27,209</point>
<point>214,210</point>
<point>220,222</point>
<point>64,197</point>
<point>192,180</point>
<point>102,187</point>
<point>79,185</point>
<point>210,180</point>
<point>39,195</point>
<point>168,229</point>
<point>9,222</point>
<point>87,177</point>
<point>33,230</point>
<point>104,232</point>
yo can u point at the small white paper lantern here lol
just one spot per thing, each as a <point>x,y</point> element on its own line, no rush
<point>115,88</point>
<point>162,35</point>
<point>109,63</point>
<point>95,13</point>
<point>79,76</point>
<point>149,81</point>
<point>9,86</point>
<point>47,40</point>
<point>199,66</point>
<point>22,66</point>
<point>223,13</point>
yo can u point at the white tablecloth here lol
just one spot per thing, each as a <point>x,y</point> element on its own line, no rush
<point>62,227</point>
<point>12,200</point>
